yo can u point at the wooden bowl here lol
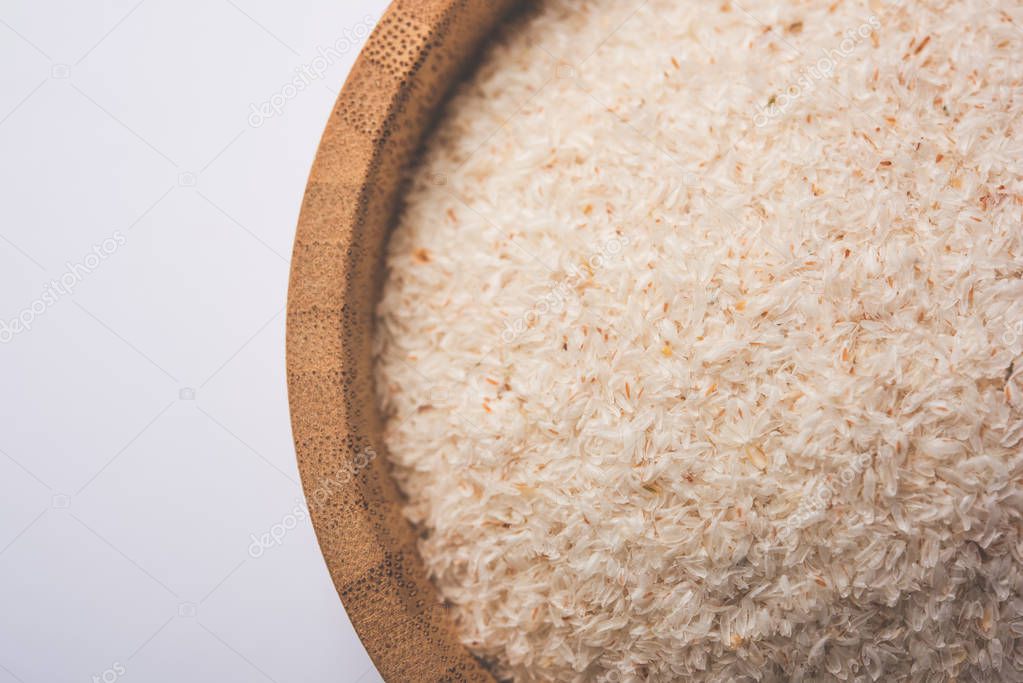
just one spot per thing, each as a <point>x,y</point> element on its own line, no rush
<point>415,55</point>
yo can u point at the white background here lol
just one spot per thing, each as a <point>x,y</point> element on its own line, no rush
<point>144,430</point>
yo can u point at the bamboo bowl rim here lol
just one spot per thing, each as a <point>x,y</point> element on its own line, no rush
<point>415,54</point>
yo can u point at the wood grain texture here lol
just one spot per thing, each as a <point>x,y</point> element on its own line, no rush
<point>410,62</point>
